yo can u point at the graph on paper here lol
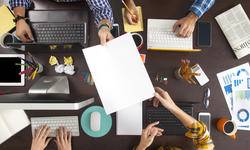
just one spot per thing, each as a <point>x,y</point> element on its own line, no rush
<point>226,82</point>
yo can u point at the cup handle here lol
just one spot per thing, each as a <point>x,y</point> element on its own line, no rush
<point>233,136</point>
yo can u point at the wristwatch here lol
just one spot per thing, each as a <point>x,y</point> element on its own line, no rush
<point>103,25</point>
<point>19,18</point>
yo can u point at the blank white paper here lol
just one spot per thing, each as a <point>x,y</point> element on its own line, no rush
<point>129,120</point>
<point>119,74</point>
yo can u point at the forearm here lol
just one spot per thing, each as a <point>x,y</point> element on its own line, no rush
<point>129,1</point>
<point>19,11</point>
<point>102,11</point>
<point>199,7</point>
<point>105,21</point>
<point>186,119</point>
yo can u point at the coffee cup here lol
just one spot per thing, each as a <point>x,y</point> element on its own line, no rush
<point>227,127</point>
<point>138,40</point>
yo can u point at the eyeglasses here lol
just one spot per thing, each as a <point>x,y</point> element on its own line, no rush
<point>206,98</point>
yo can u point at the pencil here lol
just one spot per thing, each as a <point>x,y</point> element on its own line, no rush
<point>191,79</point>
<point>186,79</point>
<point>176,50</point>
<point>22,64</point>
<point>34,74</point>
<point>133,16</point>
<point>25,71</point>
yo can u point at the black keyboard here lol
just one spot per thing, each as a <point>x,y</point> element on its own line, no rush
<point>168,122</point>
<point>59,33</point>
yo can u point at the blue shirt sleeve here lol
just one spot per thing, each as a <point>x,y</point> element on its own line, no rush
<point>199,7</point>
<point>101,10</point>
<point>20,3</point>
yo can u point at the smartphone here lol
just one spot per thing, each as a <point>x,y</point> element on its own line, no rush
<point>115,31</point>
<point>206,118</point>
<point>204,34</point>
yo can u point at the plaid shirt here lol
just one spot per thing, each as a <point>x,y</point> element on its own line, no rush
<point>201,6</point>
<point>100,8</point>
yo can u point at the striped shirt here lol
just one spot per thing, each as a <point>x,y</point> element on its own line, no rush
<point>100,8</point>
<point>199,7</point>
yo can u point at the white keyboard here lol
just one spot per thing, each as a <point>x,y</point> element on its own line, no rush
<point>70,122</point>
<point>160,36</point>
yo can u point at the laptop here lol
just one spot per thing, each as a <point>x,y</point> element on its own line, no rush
<point>58,27</point>
<point>168,122</point>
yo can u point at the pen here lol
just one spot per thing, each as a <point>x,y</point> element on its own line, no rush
<point>133,16</point>
<point>181,50</point>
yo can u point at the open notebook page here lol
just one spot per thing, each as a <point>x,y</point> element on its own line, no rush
<point>15,119</point>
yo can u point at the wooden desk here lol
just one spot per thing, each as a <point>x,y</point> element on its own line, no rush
<point>213,59</point>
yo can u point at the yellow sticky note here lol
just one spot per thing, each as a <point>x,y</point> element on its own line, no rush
<point>133,28</point>
<point>6,17</point>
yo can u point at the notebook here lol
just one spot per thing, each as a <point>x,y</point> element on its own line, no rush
<point>120,76</point>
<point>160,36</point>
<point>11,122</point>
<point>235,25</point>
<point>6,17</point>
<point>133,28</point>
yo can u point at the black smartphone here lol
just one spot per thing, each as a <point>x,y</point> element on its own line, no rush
<point>115,31</point>
<point>204,34</point>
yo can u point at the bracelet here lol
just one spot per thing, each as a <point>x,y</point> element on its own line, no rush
<point>19,18</point>
<point>103,25</point>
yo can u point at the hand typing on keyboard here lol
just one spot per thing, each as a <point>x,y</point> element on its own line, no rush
<point>40,138</point>
<point>187,25</point>
<point>63,139</point>
<point>23,31</point>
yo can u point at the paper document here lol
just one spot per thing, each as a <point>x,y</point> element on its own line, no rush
<point>236,26</point>
<point>119,74</point>
<point>133,28</point>
<point>225,80</point>
<point>241,98</point>
<point>6,17</point>
<point>129,120</point>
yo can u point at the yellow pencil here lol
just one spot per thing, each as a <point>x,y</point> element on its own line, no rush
<point>133,16</point>
<point>177,50</point>
<point>34,74</point>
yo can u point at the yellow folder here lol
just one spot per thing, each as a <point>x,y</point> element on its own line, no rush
<point>6,20</point>
<point>133,28</point>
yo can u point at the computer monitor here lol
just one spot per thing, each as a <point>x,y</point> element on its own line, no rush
<point>48,93</point>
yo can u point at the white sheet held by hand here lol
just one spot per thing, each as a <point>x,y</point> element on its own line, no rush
<point>120,76</point>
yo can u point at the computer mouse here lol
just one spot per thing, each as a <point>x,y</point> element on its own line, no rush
<point>95,121</point>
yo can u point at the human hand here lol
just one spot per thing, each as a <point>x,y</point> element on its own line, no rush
<point>23,31</point>
<point>105,35</point>
<point>39,141</point>
<point>63,139</point>
<point>163,97</point>
<point>186,24</point>
<point>132,7</point>
<point>148,135</point>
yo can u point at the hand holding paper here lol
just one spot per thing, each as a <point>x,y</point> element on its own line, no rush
<point>120,76</point>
